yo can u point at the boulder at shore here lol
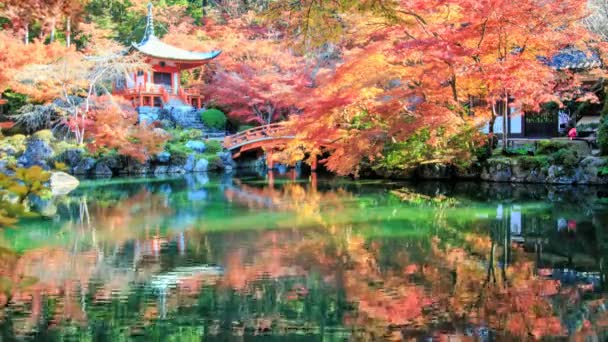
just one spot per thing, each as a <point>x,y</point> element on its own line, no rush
<point>62,183</point>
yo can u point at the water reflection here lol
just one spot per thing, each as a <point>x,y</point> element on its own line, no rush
<point>308,258</point>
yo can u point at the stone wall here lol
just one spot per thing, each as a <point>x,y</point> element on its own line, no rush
<point>510,170</point>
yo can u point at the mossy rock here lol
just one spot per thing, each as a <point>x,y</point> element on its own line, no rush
<point>45,135</point>
<point>533,162</point>
<point>547,147</point>
<point>14,145</point>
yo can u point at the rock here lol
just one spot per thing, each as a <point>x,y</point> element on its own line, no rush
<point>190,163</point>
<point>37,152</point>
<point>163,157</point>
<point>133,167</point>
<point>536,175</point>
<point>8,150</point>
<point>62,183</point>
<point>434,171</point>
<point>161,170</point>
<point>70,157</point>
<point>101,169</point>
<point>147,115</point>
<point>557,174</point>
<point>471,172</point>
<point>167,124</point>
<point>401,174</point>
<point>589,171</point>
<point>497,170</point>
<point>196,146</point>
<point>4,167</point>
<point>84,166</point>
<point>176,170</point>
<point>202,165</point>
<point>114,162</point>
<point>227,163</point>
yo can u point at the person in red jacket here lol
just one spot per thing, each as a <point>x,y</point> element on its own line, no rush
<point>572,133</point>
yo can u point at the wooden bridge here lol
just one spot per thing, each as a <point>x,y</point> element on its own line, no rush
<point>270,138</point>
<point>258,137</point>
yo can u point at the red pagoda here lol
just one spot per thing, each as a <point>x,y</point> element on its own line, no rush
<point>161,85</point>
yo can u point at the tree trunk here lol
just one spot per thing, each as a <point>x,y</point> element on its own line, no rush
<point>27,34</point>
<point>52,39</point>
<point>505,124</point>
<point>68,33</point>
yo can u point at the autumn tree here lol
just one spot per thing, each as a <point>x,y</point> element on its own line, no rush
<point>77,78</point>
<point>112,126</point>
<point>414,65</point>
<point>256,77</point>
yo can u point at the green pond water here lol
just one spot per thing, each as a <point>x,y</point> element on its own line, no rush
<point>234,258</point>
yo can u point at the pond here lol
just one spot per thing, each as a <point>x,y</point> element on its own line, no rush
<point>223,257</point>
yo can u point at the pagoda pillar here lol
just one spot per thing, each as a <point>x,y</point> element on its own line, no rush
<point>269,160</point>
<point>175,82</point>
<point>313,163</point>
<point>198,103</point>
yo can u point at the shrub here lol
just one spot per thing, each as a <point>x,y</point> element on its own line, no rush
<point>17,142</point>
<point>45,135</point>
<point>214,118</point>
<point>65,145</point>
<point>548,147</point>
<point>565,157</point>
<point>179,151</point>
<point>213,146</point>
<point>533,162</point>
<point>245,127</point>
<point>602,134</point>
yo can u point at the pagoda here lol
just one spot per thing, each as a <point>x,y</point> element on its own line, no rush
<point>161,86</point>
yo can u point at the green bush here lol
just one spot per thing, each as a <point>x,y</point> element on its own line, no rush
<point>179,135</point>
<point>565,157</point>
<point>213,146</point>
<point>602,135</point>
<point>214,118</point>
<point>16,141</point>
<point>63,145</point>
<point>245,127</point>
<point>548,147</point>
<point>45,135</point>
<point>179,152</point>
<point>533,162</point>
<point>590,127</point>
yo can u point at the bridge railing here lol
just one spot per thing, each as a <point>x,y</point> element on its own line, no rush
<point>256,133</point>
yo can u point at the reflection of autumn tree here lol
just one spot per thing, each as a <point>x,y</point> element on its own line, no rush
<point>304,201</point>
<point>61,276</point>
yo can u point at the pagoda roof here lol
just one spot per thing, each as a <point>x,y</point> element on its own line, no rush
<point>573,58</point>
<point>153,47</point>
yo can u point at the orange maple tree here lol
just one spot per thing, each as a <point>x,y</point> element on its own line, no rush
<point>111,125</point>
<point>256,78</point>
<point>418,64</point>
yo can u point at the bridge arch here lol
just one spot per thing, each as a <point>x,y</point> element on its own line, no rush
<point>271,137</point>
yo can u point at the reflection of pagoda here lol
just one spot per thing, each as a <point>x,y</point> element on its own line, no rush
<point>161,86</point>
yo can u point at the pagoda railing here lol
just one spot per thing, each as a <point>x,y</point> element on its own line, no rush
<point>151,89</point>
<point>164,94</point>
